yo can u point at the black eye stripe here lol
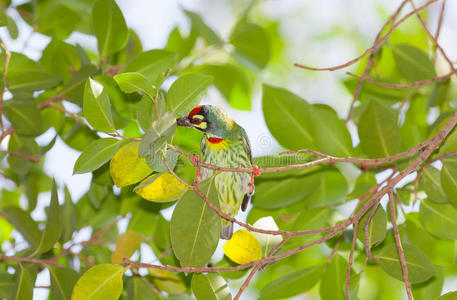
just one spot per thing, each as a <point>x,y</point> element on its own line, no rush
<point>196,121</point>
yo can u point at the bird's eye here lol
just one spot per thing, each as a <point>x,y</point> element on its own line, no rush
<point>196,121</point>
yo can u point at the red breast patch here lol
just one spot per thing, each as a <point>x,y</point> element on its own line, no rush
<point>214,140</point>
<point>195,111</point>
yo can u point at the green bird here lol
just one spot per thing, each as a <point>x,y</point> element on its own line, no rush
<point>225,144</point>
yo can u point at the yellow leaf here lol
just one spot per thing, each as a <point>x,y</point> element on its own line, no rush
<point>126,245</point>
<point>161,188</point>
<point>167,281</point>
<point>243,247</point>
<point>126,167</point>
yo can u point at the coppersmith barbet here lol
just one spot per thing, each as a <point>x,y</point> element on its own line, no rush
<point>224,144</point>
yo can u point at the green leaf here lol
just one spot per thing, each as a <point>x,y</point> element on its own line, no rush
<point>430,182</point>
<point>329,131</point>
<point>156,162</point>
<point>109,27</point>
<point>138,289</point>
<point>232,82</point>
<point>439,219</point>
<point>68,217</point>
<point>439,251</point>
<point>283,191</point>
<point>63,280</point>
<point>7,21</point>
<point>74,90</point>
<point>285,112</point>
<point>99,282</point>
<point>251,43</point>
<point>134,82</point>
<point>419,266</point>
<point>195,228</point>
<point>210,286</point>
<point>97,107</point>
<point>413,63</point>
<point>23,288</point>
<point>364,183</point>
<point>179,44</point>
<point>167,281</point>
<point>24,116</point>
<point>334,279</point>
<point>23,223</point>
<point>7,282</point>
<point>126,245</point>
<point>152,63</point>
<point>59,58</point>
<point>59,21</point>
<point>146,111</point>
<point>448,296</point>
<point>22,144</point>
<point>27,75</point>
<point>185,93</point>
<point>96,155</point>
<point>202,29</point>
<point>371,90</point>
<point>449,179</point>
<point>378,130</point>
<point>376,227</point>
<point>322,195</point>
<point>292,284</point>
<point>431,288</point>
<point>157,136</point>
<point>52,229</point>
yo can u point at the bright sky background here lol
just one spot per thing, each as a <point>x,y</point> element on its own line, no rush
<point>301,22</point>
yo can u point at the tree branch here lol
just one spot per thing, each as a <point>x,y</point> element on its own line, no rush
<point>372,48</point>
<point>403,86</point>
<point>399,247</point>
<point>31,260</point>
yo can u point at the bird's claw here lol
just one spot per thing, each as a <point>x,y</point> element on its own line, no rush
<point>256,171</point>
<point>194,160</point>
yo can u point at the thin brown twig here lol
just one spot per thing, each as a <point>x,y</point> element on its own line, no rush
<point>366,162</point>
<point>403,86</point>
<point>31,260</point>
<point>366,240</point>
<point>440,20</point>
<point>259,267</point>
<point>6,133</point>
<point>401,253</point>
<point>49,101</point>
<point>441,157</point>
<point>432,37</point>
<point>71,115</point>
<point>371,61</point>
<point>351,260</point>
<point>372,48</point>
<point>23,155</point>
<point>127,138</point>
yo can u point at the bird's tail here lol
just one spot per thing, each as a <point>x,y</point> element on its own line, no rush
<point>227,231</point>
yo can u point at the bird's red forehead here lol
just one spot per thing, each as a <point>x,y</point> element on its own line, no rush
<point>195,111</point>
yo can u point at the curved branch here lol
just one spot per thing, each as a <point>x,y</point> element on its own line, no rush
<point>372,48</point>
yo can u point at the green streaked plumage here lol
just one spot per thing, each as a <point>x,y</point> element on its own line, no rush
<point>233,152</point>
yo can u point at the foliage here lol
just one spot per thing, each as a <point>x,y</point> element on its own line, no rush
<point>321,223</point>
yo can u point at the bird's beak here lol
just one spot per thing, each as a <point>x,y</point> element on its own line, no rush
<point>184,121</point>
